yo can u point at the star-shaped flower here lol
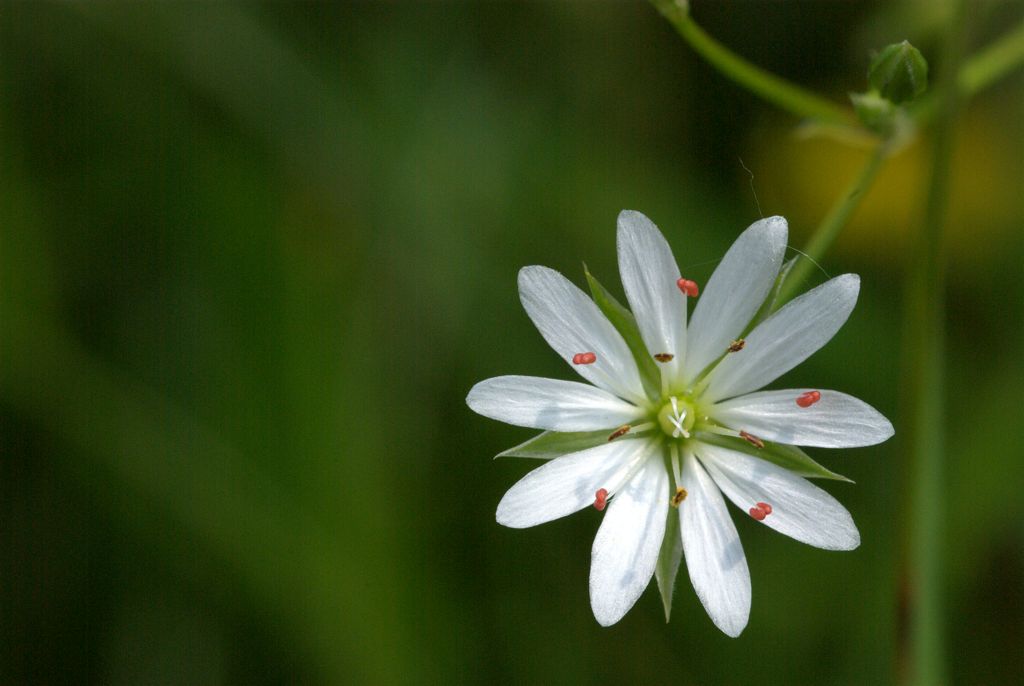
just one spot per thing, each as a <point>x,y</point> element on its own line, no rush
<point>672,420</point>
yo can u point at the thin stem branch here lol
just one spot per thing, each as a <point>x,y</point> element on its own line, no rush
<point>980,71</point>
<point>832,224</point>
<point>772,88</point>
<point>992,63</point>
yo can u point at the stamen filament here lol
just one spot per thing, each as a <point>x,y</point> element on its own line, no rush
<point>721,431</point>
<point>676,474</point>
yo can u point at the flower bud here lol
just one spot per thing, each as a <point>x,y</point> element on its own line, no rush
<point>899,73</point>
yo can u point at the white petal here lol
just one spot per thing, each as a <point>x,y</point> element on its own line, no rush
<point>649,275</point>
<point>735,291</point>
<point>567,484</point>
<point>836,420</point>
<point>786,339</point>
<point>799,509</point>
<point>550,404</point>
<point>571,323</point>
<point>714,555</point>
<point>626,547</point>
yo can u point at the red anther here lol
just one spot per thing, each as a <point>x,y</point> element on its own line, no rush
<point>688,287</point>
<point>752,439</point>
<point>758,514</point>
<point>621,431</point>
<point>600,499</point>
<point>664,357</point>
<point>765,507</point>
<point>584,358</point>
<point>808,398</point>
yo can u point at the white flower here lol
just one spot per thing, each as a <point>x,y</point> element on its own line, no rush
<point>684,439</point>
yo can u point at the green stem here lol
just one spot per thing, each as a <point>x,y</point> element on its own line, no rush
<point>831,225</point>
<point>925,317</point>
<point>772,88</point>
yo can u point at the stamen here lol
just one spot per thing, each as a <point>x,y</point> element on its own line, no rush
<point>679,497</point>
<point>664,357</point>
<point>755,512</point>
<point>766,507</point>
<point>809,398</point>
<point>752,439</point>
<point>584,358</point>
<point>600,499</point>
<point>736,345</point>
<point>688,287</point>
<point>621,431</point>
<point>675,463</point>
<point>718,430</point>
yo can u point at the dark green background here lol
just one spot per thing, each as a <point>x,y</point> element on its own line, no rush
<point>253,257</point>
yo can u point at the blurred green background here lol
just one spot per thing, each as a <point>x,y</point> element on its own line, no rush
<point>254,256</point>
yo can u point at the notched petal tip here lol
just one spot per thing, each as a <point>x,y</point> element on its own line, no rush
<point>532,271</point>
<point>632,217</point>
<point>853,541</point>
<point>504,516</point>
<point>608,610</point>
<point>842,535</point>
<point>473,397</point>
<point>774,223</point>
<point>606,613</point>
<point>732,631</point>
<point>631,225</point>
<point>776,227</point>
<point>849,282</point>
<point>882,429</point>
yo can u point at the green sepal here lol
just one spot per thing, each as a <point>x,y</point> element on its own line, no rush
<point>556,443</point>
<point>625,323</point>
<point>878,114</point>
<point>668,560</point>
<point>786,456</point>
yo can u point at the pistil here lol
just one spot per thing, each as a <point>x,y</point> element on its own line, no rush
<point>676,418</point>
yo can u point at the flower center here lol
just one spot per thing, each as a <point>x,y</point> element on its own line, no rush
<point>676,418</point>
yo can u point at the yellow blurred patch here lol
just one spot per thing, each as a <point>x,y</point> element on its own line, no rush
<point>801,178</point>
